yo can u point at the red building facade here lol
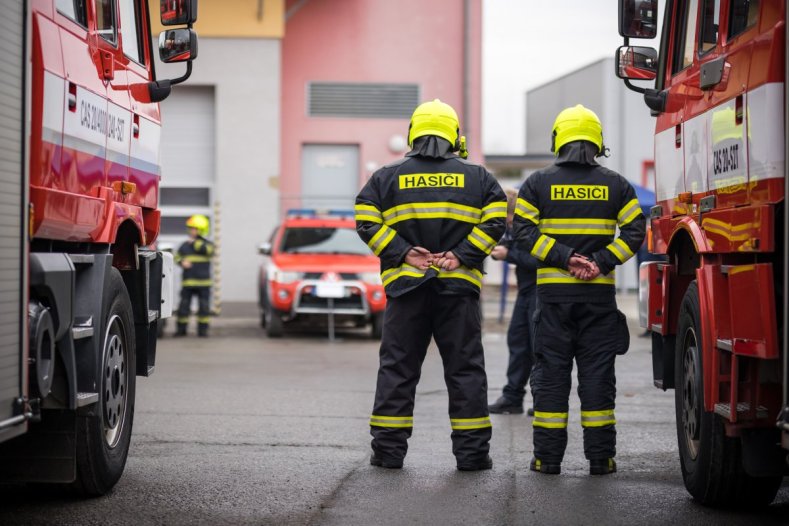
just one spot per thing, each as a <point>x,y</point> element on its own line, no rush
<point>352,73</point>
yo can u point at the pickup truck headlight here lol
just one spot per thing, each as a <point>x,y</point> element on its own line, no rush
<point>373,278</point>
<point>283,276</point>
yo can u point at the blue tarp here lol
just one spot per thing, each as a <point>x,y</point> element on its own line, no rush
<point>645,196</point>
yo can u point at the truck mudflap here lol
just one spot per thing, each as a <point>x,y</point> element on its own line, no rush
<point>150,288</point>
<point>742,382</point>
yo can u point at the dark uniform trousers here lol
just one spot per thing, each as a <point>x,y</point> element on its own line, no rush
<point>519,342</point>
<point>204,308</point>
<point>454,322</point>
<point>590,333</point>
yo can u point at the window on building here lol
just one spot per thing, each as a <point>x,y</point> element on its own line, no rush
<point>105,20</point>
<point>77,10</point>
<point>742,15</point>
<point>184,196</point>
<point>131,32</point>
<point>710,18</point>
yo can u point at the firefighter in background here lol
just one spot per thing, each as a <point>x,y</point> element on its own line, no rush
<point>432,218</point>
<point>519,333</point>
<point>566,216</point>
<point>194,257</point>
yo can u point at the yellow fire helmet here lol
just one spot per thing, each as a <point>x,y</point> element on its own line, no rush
<point>435,118</point>
<point>577,124</point>
<point>200,222</point>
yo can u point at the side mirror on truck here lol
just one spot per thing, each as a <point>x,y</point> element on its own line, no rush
<point>178,12</point>
<point>636,63</point>
<point>638,18</point>
<point>175,45</point>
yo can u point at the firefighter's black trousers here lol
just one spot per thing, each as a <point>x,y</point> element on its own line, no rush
<point>204,308</point>
<point>592,334</point>
<point>409,322</point>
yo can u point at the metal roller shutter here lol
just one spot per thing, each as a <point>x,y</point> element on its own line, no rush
<point>12,189</point>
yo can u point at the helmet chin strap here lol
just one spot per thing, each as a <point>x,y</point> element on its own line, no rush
<point>604,152</point>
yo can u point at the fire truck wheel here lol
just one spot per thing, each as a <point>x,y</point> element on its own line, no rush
<point>274,323</point>
<point>711,462</point>
<point>377,323</point>
<point>103,437</point>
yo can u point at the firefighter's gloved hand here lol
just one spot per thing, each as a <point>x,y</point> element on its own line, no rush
<point>186,263</point>
<point>446,261</point>
<point>419,257</point>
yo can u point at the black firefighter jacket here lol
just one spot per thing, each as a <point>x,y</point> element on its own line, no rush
<point>199,253</point>
<point>440,203</point>
<point>575,206</point>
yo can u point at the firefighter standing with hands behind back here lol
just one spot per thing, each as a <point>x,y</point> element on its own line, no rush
<point>194,256</point>
<point>566,216</point>
<point>432,218</point>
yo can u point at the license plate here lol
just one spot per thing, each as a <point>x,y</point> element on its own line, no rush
<point>328,289</point>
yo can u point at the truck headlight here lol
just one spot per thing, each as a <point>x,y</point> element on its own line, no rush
<point>283,276</point>
<point>373,278</point>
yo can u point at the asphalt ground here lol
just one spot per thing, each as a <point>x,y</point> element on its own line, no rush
<point>241,429</point>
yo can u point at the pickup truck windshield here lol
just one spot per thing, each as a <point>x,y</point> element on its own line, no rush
<point>323,240</point>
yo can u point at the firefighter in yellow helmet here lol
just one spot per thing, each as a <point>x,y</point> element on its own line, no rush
<point>432,218</point>
<point>194,257</point>
<point>566,216</point>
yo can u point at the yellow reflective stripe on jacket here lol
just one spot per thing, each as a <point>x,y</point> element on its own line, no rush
<point>481,240</point>
<point>527,210</point>
<point>381,238</point>
<point>550,420</point>
<point>368,213</point>
<point>567,226</point>
<point>552,275</point>
<point>391,421</point>
<point>494,210</point>
<point>196,258</point>
<point>620,249</point>
<point>629,212</point>
<point>542,246</point>
<point>196,283</point>
<point>437,210</point>
<point>598,418</point>
<point>391,274</point>
<point>471,275</point>
<point>460,424</point>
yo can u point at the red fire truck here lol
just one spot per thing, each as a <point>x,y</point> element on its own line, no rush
<point>80,294</point>
<point>716,306</point>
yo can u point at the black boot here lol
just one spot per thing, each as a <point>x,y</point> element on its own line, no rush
<point>180,330</point>
<point>543,467</point>
<point>381,462</point>
<point>479,465</point>
<point>202,330</point>
<point>504,407</point>
<point>602,466</point>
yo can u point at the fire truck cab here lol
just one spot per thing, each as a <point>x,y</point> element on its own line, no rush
<point>716,307</point>
<point>80,292</point>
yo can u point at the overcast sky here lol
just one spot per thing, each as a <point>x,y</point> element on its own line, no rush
<point>527,43</point>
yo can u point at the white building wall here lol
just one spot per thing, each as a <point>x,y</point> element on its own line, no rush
<point>245,74</point>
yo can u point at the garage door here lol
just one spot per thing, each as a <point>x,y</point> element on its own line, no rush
<point>188,156</point>
<point>12,186</point>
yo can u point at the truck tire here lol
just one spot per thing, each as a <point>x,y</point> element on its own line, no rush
<point>274,323</point>
<point>711,462</point>
<point>264,306</point>
<point>103,437</point>
<point>377,325</point>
